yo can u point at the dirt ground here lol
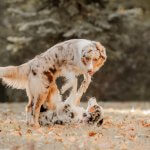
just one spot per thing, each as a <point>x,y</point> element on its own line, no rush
<point>126,127</point>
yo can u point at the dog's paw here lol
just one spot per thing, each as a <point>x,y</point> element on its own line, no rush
<point>29,119</point>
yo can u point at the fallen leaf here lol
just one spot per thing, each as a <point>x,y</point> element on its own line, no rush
<point>58,139</point>
<point>92,133</point>
<point>145,124</point>
<point>29,131</point>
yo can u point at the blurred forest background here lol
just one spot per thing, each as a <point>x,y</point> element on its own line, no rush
<point>29,27</point>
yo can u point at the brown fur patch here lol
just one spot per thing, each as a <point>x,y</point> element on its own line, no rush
<point>98,63</point>
<point>36,111</point>
<point>51,92</point>
<point>52,70</point>
<point>92,109</point>
<point>49,76</point>
<point>38,103</point>
<point>84,61</point>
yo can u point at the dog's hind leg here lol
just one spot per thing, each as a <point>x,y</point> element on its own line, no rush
<point>53,97</point>
<point>29,107</point>
<point>37,105</point>
<point>38,89</point>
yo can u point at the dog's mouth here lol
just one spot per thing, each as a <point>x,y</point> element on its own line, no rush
<point>90,72</point>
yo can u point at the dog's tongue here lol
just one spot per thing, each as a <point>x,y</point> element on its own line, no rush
<point>90,73</point>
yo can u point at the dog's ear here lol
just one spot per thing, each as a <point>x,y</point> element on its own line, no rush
<point>101,49</point>
<point>99,46</point>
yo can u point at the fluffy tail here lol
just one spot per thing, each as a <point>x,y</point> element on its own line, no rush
<point>15,76</point>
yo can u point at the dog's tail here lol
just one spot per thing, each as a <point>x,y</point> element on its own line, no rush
<point>15,76</point>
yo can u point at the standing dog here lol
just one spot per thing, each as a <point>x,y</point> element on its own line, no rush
<point>38,75</point>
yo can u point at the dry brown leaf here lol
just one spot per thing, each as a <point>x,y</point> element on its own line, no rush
<point>92,133</point>
<point>145,124</point>
<point>18,133</point>
<point>107,124</point>
<point>132,137</point>
<point>29,131</point>
<point>58,139</point>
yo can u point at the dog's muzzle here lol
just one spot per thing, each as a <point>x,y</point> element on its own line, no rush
<point>90,72</point>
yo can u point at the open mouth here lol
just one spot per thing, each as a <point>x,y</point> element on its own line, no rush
<point>90,73</point>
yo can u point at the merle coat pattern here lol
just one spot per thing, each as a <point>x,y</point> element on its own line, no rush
<point>38,76</point>
<point>67,113</point>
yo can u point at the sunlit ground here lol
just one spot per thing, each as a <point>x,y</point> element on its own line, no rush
<point>126,127</point>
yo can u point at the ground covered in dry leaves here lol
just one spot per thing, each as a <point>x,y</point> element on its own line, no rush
<point>126,126</point>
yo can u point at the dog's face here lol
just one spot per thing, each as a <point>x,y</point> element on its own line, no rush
<point>94,113</point>
<point>93,57</point>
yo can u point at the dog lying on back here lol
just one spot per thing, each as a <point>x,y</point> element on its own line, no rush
<point>38,76</point>
<point>67,113</point>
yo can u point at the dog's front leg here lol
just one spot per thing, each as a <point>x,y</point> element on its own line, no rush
<point>84,85</point>
<point>71,81</point>
<point>73,92</point>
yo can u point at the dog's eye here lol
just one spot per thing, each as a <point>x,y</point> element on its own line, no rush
<point>88,59</point>
<point>95,59</point>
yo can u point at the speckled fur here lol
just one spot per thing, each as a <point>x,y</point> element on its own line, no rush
<point>69,114</point>
<point>77,56</point>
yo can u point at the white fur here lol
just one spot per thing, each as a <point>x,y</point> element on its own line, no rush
<point>39,73</point>
<point>48,117</point>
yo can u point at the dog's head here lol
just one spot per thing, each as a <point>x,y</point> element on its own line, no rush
<point>94,112</point>
<point>93,57</point>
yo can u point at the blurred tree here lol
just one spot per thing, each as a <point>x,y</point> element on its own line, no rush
<point>28,28</point>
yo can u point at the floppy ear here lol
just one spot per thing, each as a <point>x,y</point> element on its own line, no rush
<point>102,50</point>
<point>99,46</point>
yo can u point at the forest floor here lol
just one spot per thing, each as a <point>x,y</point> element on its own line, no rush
<point>126,127</point>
